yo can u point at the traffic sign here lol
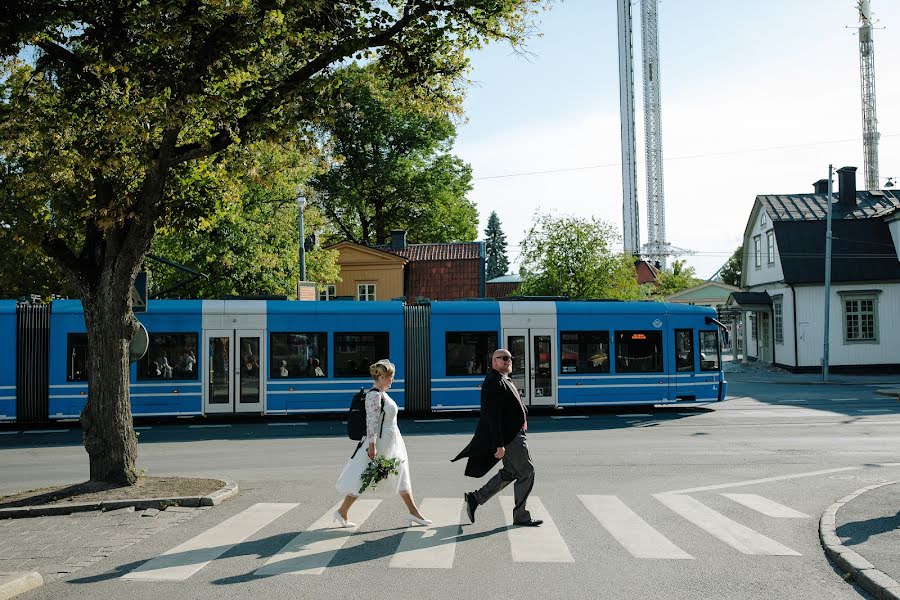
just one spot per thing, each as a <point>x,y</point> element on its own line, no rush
<point>139,293</point>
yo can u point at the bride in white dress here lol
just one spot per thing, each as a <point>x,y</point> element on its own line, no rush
<point>385,441</point>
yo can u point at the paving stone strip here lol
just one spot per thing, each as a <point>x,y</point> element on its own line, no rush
<point>874,581</point>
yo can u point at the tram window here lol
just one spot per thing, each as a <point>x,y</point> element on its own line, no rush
<point>469,353</point>
<point>354,352</point>
<point>709,351</point>
<point>297,355</point>
<point>639,352</point>
<point>684,350</point>
<point>76,357</point>
<point>585,351</point>
<point>170,356</point>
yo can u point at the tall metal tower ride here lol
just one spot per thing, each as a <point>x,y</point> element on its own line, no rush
<point>867,85</point>
<point>630,215</point>
<point>656,246</point>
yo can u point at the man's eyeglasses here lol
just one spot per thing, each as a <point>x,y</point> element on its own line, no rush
<point>504,358</point>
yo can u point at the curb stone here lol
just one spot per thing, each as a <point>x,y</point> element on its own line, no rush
<point>877,583</point>
<point>13,584</point>
<point>230,490</point>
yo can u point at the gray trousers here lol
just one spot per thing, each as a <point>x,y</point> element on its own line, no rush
<point>517,466</point>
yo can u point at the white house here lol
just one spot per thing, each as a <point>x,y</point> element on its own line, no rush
<point>783,274</point>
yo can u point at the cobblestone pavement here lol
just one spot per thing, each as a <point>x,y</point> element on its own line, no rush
<point>56,546</point>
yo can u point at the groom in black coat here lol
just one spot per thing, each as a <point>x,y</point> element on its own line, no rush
<point>500,435</point>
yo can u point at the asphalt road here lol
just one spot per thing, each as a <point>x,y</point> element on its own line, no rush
<point>719,502</point>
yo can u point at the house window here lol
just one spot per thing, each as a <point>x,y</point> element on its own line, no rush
<point>298,354</point>
<point>170,356</point>
<point>770,247</point>
<point>779,319</point>
<point>76,354</point>
<point>753,331</point>
<point>585,351</point>
<point>757,252</point>
<point>763,219</point>
<point>328,293</point>
<point>470,353</point>
<point>365,292</point>
<point>860,317</point>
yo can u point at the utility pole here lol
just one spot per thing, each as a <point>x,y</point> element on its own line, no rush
<point>827,279</point>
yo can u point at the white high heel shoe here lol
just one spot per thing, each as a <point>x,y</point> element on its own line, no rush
<point>417,521</point>
<point>344,522</point>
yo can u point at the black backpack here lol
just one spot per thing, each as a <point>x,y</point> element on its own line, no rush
<point>356,417</point>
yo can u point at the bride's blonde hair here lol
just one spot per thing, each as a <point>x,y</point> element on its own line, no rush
<point>382,367</point>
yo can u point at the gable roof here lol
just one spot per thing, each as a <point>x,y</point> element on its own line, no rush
<point>861,250</point>
<point>813,207</point>
<point>447,251</point>
<point>705,290</point>
<point>369,251</point>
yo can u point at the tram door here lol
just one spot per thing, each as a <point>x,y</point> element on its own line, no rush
<point>233,380</point>
<point>534,364</point>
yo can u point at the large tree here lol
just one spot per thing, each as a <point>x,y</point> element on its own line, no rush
<point>676,279</point>
<point>114,118</point>
<point>573,257</point>
<point>390,166</point>
<point>731,271</point>
<point>495,247</point>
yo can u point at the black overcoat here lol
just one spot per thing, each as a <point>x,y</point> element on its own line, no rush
<point>502,417</point>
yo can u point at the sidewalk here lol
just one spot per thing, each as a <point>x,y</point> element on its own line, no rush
<point>861,535</point>
<point>755,372</point>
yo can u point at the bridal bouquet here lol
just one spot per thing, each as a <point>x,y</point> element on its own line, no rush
<point>377,470</point>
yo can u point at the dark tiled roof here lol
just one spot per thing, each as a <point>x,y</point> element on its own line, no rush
<point>449,251</point>
<point>812,207</point>
<point>751,298</point>
<point>861,250</point>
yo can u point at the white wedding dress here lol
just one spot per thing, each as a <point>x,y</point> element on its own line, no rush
<point>389,444</point>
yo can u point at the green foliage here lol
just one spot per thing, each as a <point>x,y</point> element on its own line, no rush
<point>573,257</point>
<point>378,469</point>
<point>680,277</point>
<point>495,248</point>
<point>389,167</point>
<point>731,272</point>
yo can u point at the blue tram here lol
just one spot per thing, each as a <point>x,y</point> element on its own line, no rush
<point>275,357</point>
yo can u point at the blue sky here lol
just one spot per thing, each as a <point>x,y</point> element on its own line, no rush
<point>758,98</point>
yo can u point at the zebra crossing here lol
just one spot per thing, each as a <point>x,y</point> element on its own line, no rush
<point>310,552</point>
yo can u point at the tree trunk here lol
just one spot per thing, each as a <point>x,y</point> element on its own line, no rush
<point>108,431</point>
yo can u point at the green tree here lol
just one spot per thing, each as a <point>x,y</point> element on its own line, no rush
<point>731,272</point>
<point>251,246</point>
<point>574,257</point>
<point>116,119</point>
<point>680,277</point>
<point>495,247</point>
<point>390,167</point>
<point>24,271</point>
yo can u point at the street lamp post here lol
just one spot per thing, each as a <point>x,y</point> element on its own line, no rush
<point>301,204</point>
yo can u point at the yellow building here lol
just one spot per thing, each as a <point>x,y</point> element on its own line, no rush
<point>367,274</point>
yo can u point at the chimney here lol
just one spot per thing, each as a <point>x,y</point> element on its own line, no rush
<point>398,239</point>
<point>847,186</point>
<point>821,186</point>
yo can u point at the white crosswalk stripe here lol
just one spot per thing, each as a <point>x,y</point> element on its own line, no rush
<point>741,538</point>
<point>767,507</point>
<point>432,547</point>
<point>630,530</point>
<point>182,561</point>
<point>535,544</point>
<point>311,551</point>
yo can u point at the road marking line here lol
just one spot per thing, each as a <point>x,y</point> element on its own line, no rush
<point>9,432</point>
<point>47,431</point>
<point>311,551</point>
<point>741,538</point>
<point>723,486</point>
<point>843,399</point>
<point>287,424</point>
<point>570,417</point>
<point>878,410</point>
<point>182,561</point>
<point>631,416</point>
<point>433,420</point>
<point>634,533</point>
<point>767,507</point>
<point>142,428</point>
<point>432,547</point>
<point>534,544</point>
<point>207,426</point>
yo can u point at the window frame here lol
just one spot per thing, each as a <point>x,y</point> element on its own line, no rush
<point>718,365</point>
<point>338,371</point>
<point>770,247</point>
<point>367,284</point>
<point>693,352</point>
<point>328,293</point>
<point>145,361</point>
<point>757,252</point>
<point>661,345</point>
<point>860,296</point>
<point>581,344</point>
<point>70,338</point>
<point>778,318</point>
<point>275,364</point>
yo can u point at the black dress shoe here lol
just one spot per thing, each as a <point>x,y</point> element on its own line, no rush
<point>529,523</point>
<point>471,505</point>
